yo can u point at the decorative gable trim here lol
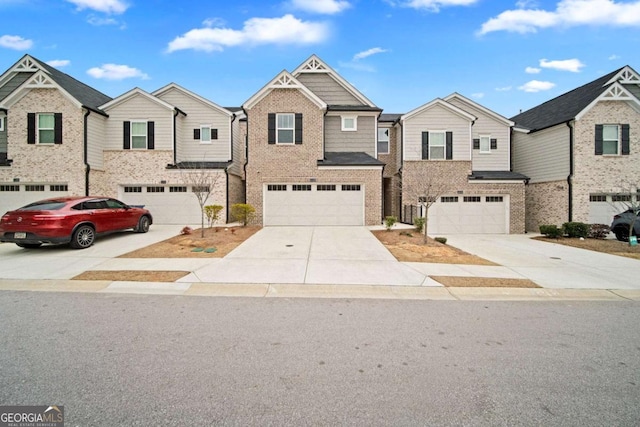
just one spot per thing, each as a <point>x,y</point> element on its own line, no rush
<point>441,103</point>
<point>40,80</point>
<point>625,76</point>
<point>284,80</point>
<point>132,93</point>
<point>316,65</point>
<point>485,110</point>
<point>172,86</point>
<point>616,92</point>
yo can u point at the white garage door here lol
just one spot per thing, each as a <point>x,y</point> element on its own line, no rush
<point>168,204</point>
<point>603,207</point>
<point>470,215</point>
<point>16,195</point>
<point>314,204</point>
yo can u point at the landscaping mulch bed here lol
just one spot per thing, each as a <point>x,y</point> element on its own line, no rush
<point>132,275</point>
<point>483,282</point>
<point>609,246</point>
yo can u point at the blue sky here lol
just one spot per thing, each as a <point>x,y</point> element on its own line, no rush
<point>506,55</point>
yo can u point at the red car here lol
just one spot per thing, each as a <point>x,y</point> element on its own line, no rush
<point>73,220</point>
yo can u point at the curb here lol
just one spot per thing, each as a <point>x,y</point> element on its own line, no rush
<point>274,290</point>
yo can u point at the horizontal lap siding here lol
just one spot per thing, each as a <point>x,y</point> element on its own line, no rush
<point>325,87</point>
<point>363,140</point>
<point>542,156</point>
<point>96,132</point>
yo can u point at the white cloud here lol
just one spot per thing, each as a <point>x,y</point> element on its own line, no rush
<point>99,21</point>
<point>532,70</point>
<point>285,30</point>
<point>105,6</point>
<point>436,5</point>
<point>328,7</point>
<point>478,95</point>
<point>59,63</point>
<point>573,65</point>
<point>536,86</point>
<point>613,57</point>
<point>568,13</point>
<point>369,52</point>
<point>15,42</point>
<point>504,89</point>
<point>116,72</point>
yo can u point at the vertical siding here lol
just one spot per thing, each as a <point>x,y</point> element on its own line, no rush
<point>329,90</point>
<point>198,114</point>
<point>437,118</point>
<point>542,156</point>
<point>363,140</point>
<point>140,108</point>
<point>96,131</point>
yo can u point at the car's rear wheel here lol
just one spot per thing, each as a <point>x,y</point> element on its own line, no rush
<point>83,237</point>
<point>29,245</point>
<point>622,234</point>
<point>143,224</point>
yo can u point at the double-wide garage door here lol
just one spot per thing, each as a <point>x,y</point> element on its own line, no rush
<point>469,215</point>
<point>168,204</point>
<point>16,195</point>
<point>314,204</point>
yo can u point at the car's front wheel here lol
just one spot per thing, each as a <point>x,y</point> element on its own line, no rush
<point>143,224</point>
<point>83,237</point>
<point>29,245</point>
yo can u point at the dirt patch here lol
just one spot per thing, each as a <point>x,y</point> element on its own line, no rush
<point>408,246</point>
<point>608,246</point>
<point>132,275</point>
<point>216,243</point>
<point>483,282</point>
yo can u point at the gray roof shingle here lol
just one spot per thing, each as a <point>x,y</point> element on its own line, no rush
<point>349,159</point>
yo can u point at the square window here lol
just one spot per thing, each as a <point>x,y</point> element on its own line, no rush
<point>46,125</point>
<point>349,123</point>
<point>383,141</point>
<point>610,139</point>
<point>437,142</point>
<point>139,135</point>
<point>285,128</point>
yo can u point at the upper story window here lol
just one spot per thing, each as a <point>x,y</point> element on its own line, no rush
<point>436,145</point>
<point>612,140</point>
<point>44,128</point>
<point>349,123</point>
<point>205,133</point>
<point>1,124</point>
<point>139,135</point>
<point>383,141</point>
<point>285,128</point>
<point>485,144</point>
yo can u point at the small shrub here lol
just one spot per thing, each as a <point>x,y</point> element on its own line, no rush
<point>418,223</point>
<point>598,231</point>
<point>442,240</point>
<point>551,231</point>
<point>212,212</point>
<point>575,229</point>
<point>242,212</point>
<point>186,230</point>
<point>389,222</point>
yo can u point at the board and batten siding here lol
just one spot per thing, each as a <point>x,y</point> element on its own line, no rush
<point>498,159</point>
<point>542,156</point>
<point>96,131</point>
<point>327,89</point>
<point>199,114</point>
<point>140,108</point>
<point>437,118</point>
<point>362,140</point>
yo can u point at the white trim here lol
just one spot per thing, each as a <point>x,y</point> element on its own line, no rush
<point>349,168</point>
<point>625,76</point>
<point>158,93</point>
<point>40,80</point>
<point>135,92</point>
<point>38,128</point>
<point>444,145</point>
<point>495,181</point>
<point>292,129</point>
<point>616,92</point>
<point>210,136</point>
<point>146,133</point>
<point>2,119</point>
<point>480,150</point>
<point>441,103</point>
<point>343,128</point>
<point>481,108</point>
<point>284,80</point>
<point>378,129</point>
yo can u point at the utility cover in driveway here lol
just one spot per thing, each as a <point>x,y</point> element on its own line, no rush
<point>314,204</point>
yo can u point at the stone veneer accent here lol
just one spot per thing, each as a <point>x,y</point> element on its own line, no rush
<point>271,163</point>
<point>546,204</point>
<point>453,174</point>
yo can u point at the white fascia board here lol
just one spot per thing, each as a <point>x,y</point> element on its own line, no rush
<point>616,92</point>
<point>353,113</point>
<point>133,92</point>
<point>495,181</point>
<point>284,80</point>
<point>442,103</point>
<point>351,167</point>
<point>626,76</point>
<point>485,110</point>
<point>40,80</point>
<point>173,86</point>
<point>521,130</point>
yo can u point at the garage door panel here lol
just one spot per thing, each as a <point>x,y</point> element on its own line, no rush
<point>10,199</point>
<point>180,208</point>
<point>466,217</point>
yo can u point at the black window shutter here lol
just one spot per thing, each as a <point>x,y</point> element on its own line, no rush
<point>494,144</point>
<point>298,124</point>
<point>626,149</point>
<point>271,125</point>
<point>425,145</point>
<point>449,145</point>
<point>151,136</point>
<point>598,140</point>
<point>57,128</point>
<point>31,128</point>
<point>214,133</point>
<point>126,138</point>
<point>476,143</point>
<point>196,134</point>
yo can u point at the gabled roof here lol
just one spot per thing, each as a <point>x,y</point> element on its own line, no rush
<point>316,65</point>
<point>443,104</point>
<point>477,106</point>
<point>136,92</point>
<point>86,96</point>
<point>173,86</point>
<point>568,106</point>
<point>284,80</point>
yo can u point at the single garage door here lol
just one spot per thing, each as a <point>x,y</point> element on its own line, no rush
<point>314,204</point>
<point>470,215</point>
<point>168,204</point>
<point>16,195</point>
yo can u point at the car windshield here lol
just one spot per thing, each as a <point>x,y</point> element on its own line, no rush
<point>44,205</point>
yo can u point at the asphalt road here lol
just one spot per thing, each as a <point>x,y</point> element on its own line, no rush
<point>116,360</point>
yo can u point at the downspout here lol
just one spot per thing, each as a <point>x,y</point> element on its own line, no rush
<point>87,166</point>
<point>226,170</point>
<point>246,154</point>
<point>226,173</point>
<point>401,147</point>
<point>571,171</point>
<point>175,138</point>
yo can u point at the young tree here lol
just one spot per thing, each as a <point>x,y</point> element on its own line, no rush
<point>428,191</point>
<point>203,180</point>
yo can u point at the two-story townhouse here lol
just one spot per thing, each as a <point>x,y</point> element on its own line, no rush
<point>46,148</point>
<point>161,147</point>
<point>457,152</point>
<point>312,147</point>
<point>581,151</point>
